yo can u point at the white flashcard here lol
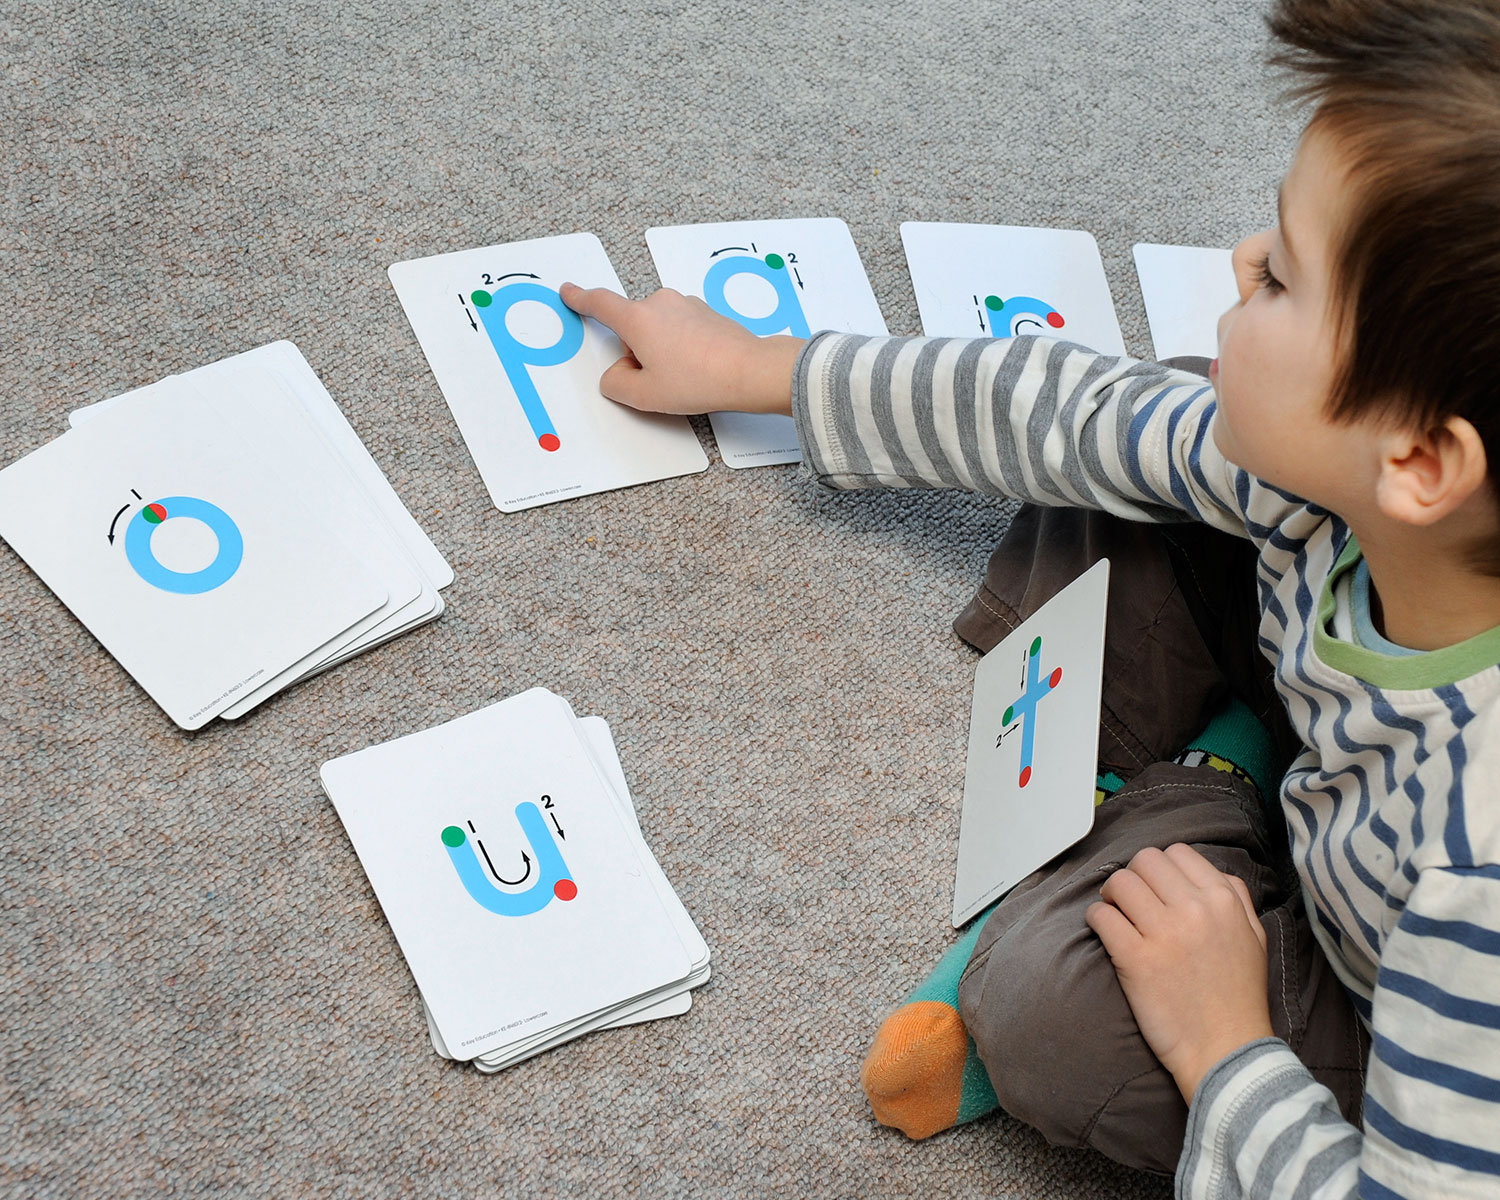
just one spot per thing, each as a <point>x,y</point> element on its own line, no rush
<point>1186,290</point>
<point>1033,744</point>
<point>975,281</point>
<point>286,417</point>
<point>520,371</point>
<point>507,873</point>
<point>283,360</point>
<point>272,424</point>
<point>201,568</point>
<point>786,276</point>
<point>600,744</point>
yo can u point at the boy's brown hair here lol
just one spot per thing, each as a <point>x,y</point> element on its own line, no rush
<point>1409,90</point>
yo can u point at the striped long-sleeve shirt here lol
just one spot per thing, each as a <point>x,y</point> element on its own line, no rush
<point>1393,806</point>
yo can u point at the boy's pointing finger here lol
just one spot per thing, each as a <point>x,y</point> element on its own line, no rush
<point>607,307</point>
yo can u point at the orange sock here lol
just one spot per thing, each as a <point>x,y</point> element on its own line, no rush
<point>914,1073</point>
<point>922,1074</point>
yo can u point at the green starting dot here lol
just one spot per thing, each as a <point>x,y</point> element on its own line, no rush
<point>453,836</point>
<point>994,303</point>
<point>481,298</point>
<point>1009,713</point>
<point>775,262</point>
<point>1036,646</point>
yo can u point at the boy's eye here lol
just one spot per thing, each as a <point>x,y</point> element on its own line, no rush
<point>1263,274</point>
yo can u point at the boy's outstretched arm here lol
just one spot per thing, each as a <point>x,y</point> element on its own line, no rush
<point>1028,417</point>
<point>682,357</point>
<point>1025,417</point>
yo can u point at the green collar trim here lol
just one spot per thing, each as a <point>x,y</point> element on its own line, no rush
<point>1413,672</point>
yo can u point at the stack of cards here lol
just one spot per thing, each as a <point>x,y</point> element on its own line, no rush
<point>223,533</point>
<point>504,850</point>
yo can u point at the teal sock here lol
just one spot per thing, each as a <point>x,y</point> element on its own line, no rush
<point>923,1074</point>
<point>1234,740</point>
<point>978,1095</point>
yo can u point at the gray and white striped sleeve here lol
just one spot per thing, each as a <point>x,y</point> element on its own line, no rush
<point>1260,1125</point>
<point>1026,417</point>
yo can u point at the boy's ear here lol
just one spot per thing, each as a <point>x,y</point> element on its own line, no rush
<point>1425,476</point>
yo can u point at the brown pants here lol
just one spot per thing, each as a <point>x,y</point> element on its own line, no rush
<point>1039,995</point>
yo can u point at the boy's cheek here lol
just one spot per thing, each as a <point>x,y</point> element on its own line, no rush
<point>1223,440</point>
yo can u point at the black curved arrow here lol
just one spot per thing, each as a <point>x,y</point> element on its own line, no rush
<point>716,253</point>
<point>524,274</point>
<point>112,524</point>
<point>525,858</point>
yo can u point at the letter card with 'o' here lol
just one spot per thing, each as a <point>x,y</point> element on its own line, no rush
<point>197,560</point>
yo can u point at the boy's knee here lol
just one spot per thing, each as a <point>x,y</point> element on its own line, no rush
<point>1063,1050</point>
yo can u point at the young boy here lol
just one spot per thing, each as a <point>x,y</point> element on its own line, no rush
<point>1167,991</point>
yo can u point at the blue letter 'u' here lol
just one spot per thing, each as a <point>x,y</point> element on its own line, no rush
<point>549,861</point>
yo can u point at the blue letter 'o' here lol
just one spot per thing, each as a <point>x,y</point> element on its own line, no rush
<point>138,550</point>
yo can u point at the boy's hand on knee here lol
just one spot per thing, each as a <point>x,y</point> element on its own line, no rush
<point>683,357</point>
<point>1191,957</point>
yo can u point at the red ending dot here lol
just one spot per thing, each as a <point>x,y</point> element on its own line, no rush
<point>1055,320</point>
<point>1025,776</point>
<point>157,511</point>
<point>1055,678</point>
<point>549,442</point>
<point>565,889</point>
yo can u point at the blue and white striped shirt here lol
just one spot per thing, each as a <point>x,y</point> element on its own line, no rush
<point>1392,805</point>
